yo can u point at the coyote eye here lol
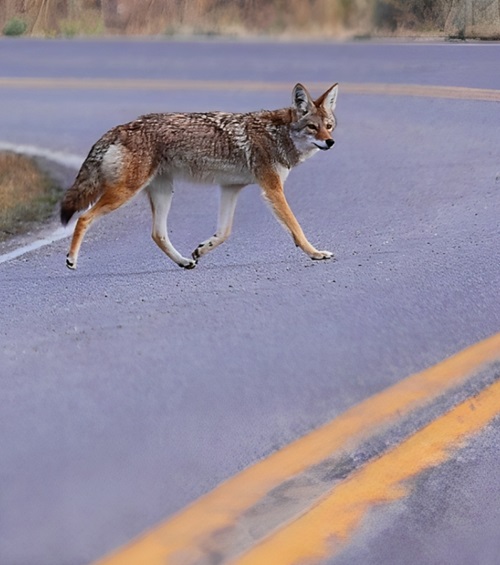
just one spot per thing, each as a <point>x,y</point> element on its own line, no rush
<point>329,126</point>
<point>312,127</point>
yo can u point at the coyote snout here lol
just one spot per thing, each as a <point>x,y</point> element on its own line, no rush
<point>324,145</point>
<point>232,150</point>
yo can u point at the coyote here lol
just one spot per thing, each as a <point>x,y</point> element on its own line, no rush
<point>232,150</point>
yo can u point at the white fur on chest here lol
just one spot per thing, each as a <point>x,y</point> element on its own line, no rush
<point>282,171</point>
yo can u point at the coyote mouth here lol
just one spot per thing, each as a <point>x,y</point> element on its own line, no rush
<point>322,147</point>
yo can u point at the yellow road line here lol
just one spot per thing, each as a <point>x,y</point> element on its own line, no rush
<point>187,535</point>
<point>321,531</point>
<point>450,92</point>
<point>429,91</point>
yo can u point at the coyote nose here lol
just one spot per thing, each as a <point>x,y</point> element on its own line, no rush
<point>329,142</point>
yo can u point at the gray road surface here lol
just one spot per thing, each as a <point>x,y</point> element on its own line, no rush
<point>131,387</point>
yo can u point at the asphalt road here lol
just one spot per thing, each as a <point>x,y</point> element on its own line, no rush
<point>131,387</point>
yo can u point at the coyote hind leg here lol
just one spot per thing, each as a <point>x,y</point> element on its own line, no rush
<point>160,193</point>
<point>113,198</point>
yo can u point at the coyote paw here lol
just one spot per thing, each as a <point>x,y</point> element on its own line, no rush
<point>188,264</point>
<point>204,247</point>
<point>320,255</point>
<point>70,262</point>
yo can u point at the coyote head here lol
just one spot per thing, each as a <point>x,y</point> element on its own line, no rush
<point>315,120</point>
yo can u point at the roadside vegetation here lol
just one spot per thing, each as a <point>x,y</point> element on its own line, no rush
<point>27,194</point>
<point>240,18</point>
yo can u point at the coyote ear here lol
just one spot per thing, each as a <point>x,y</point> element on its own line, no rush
<point>302,99</point>
<point>328,100</point>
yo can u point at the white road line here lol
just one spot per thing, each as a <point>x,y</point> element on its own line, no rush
<point>59,233</point>
<point>66,159</point>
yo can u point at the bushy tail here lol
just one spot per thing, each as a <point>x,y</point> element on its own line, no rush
<point>88,185</point>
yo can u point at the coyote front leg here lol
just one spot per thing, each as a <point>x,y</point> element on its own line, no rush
<point>160,193</point>
<point>227,205</point>
<point>272,188</point>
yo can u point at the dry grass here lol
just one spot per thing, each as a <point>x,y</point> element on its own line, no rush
<point>296,18</point>
<point>240,18</point>
<point>27,194</point>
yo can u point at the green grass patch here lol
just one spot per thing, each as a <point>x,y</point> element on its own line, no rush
<point>27,194</point>
<point>15,26</point>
